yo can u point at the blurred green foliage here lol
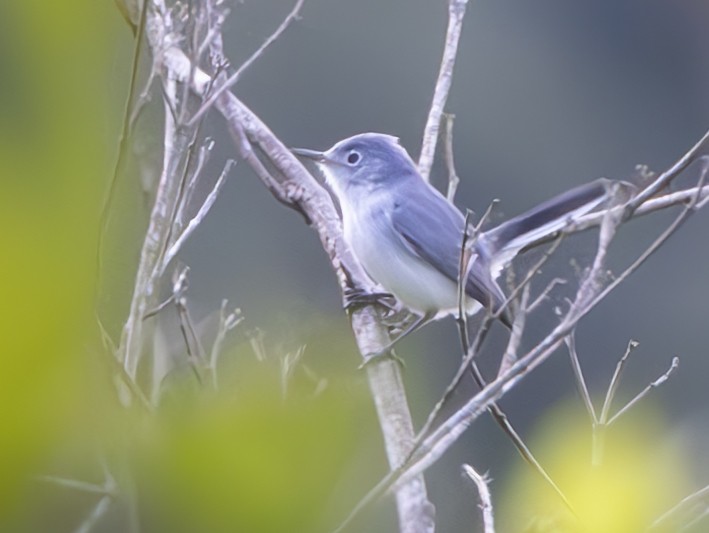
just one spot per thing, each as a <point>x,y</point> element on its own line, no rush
<point>248,458</point>
<point>53,164</point>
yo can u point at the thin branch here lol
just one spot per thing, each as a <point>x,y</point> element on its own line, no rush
<point>570,341</point>
<point>545,293</point>
<point>481,482</point>
<point>704,512</point>
<point>676,224</point>
<point>108,492</point>
<point>289,363</point>
<point>666,177</point>
<point>97,512</point>
<point>227,322</point>
<point>143,98</point>
<point>185,184</point>
<point>203,154</point>
<point>160,307</point>
<point>455,381</point>
<point>144,292</point>
<point>199,217</point>
<point>532,272</point>
<point>615,380</point>
<point>456,13</point>
<point>207,105</point>
<point>684,506</point>
<point>126,129</point>
<point>75,484</point>
<point>453,179</point>
<point>246,152</point>
<point>659,381</point>
<point>600,424</point>
<point>520,319</point>
<point>195,351</point>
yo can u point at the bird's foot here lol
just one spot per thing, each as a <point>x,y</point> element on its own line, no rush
<point>356,297</point>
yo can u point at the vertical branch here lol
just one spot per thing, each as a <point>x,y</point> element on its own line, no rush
<point>482,482</point>
<point>456,12</point>
<point>416,513</point>
<point>453,179</point>
<point>145,288</point>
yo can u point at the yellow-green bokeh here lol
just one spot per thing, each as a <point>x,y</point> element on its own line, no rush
<point>641,475</point>
<point>249,458</point>
<point>55,155</point>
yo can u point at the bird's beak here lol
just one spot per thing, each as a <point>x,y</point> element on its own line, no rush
<point>318,157</point>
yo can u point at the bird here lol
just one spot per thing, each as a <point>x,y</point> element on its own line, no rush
<point>408,236</point>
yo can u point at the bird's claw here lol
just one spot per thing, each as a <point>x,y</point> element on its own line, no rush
<point>356,297</point>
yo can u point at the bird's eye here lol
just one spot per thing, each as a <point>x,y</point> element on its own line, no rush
<point>353,158</point>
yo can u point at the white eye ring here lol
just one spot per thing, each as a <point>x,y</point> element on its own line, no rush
<point>353,158</point>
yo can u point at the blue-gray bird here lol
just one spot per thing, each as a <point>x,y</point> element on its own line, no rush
<point>408,236</point>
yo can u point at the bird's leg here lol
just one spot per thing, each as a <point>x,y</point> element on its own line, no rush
<point>416,324</point>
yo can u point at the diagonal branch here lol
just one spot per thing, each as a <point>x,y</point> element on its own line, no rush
<point>207,105</point>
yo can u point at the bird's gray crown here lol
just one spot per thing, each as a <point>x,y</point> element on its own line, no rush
<point>367,158</point>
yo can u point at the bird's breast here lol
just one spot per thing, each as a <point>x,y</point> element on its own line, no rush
<point>390,262</point>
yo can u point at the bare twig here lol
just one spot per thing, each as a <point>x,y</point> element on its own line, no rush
<point>197,219</point>
<point>570,341</point>
<point>123,139</point>
<point>545,293</point>
<point>520,319</point>
<point>532,272</point>
<point>227,322</point>
<point>160,307</point>
<point>453,179</point>
<point>481,482</point>
<point>82,486</point>
<point>456,13</point>
<point>195,351</point>
<point>144,292</point>
<point>699,499</point>
<point>690,208</point>
<point>659,381</point>
<point>206,106</point>
<point>615,380</point>
<point>108,492</point>
<point>289,362</point>
<point>455,381</point>
<point>203,154</point>
<point>96,514</point>
<point>666,177</point>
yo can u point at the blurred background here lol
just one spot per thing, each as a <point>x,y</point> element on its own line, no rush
<point>547,95</point>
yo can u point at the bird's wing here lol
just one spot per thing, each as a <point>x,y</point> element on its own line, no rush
<point>432,228</point>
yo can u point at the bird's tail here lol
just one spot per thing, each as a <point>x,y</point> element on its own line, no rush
<point>505,241</point>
